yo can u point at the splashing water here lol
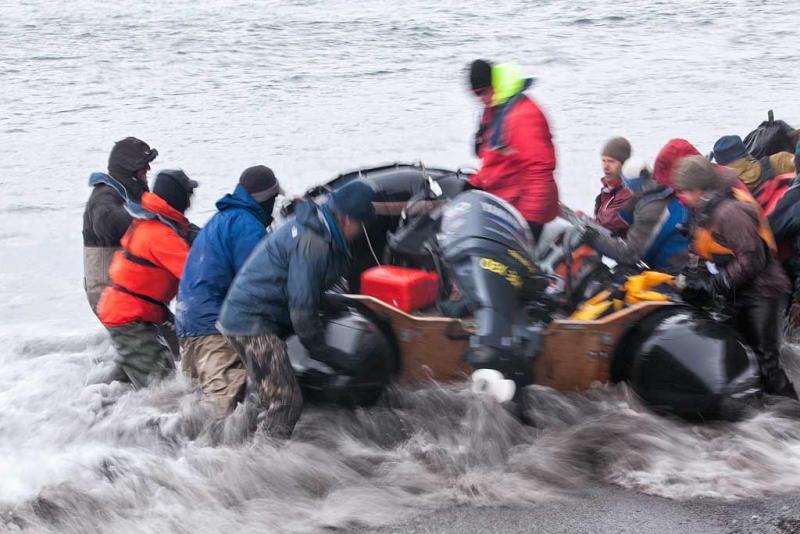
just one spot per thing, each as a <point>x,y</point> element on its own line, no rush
<point>80,457</point>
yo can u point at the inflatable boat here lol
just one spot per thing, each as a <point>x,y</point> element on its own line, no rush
<point>447,285</point>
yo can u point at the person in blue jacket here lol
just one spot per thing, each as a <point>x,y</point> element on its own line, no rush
<point>217,254</point>
<point>279,291</point>
<point>652,214</point>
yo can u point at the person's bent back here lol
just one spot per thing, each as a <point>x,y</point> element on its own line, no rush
<point>279,291</point>
<point>217,254</point>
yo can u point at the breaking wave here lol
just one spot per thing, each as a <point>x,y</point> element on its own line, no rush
<point>84,457</point>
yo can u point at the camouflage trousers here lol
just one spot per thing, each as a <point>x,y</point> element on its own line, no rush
<point>271,378</point>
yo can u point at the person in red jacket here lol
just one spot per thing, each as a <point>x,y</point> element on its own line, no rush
<point>514,144</point>
<point>614,195</point>
<point>144,279</point>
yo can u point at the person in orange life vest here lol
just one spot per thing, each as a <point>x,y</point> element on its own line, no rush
<point>614,195</point>
<point>144,279</point>
<point>514,144</point>
<point>731,233</point>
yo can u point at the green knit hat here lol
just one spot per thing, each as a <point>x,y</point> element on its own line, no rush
<point>797,148</point>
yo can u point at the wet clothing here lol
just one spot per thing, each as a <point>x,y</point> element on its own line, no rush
<point>653,214</point>
<point>145,273</point>
<point>271,380</point>
<point>105,221</point>
<point>761,323</point>
<point>516,150</point>
<point>218,253</point>
<point>213,362</point>
<point>609,202</point>
<point>279,289</point>
<point>143,352</point>
<point>754,172</point>
<point>750,278</point>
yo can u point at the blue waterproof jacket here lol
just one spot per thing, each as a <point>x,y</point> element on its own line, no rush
<point>280,287</point>
<point>217,254</point>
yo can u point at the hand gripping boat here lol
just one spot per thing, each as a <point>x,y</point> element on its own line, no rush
<point>509,305</point>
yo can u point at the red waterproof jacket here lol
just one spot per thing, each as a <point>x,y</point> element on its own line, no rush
<point>146,272</point>
<point>520,169</point>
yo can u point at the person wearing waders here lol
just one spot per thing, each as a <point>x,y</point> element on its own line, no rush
<point>144,279</point>
<point>731,234</point>
<point>218,253</point>
<point>279,291</point>
<point>105,219</point>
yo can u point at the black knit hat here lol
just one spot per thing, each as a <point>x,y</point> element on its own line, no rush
<point>175,187</point>
<point>480,74</point>
<point>260,182</point>
<point>128,156</point>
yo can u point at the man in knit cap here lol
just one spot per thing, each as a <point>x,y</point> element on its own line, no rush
<point>614,195</point>
<point>732,235</point>
<point>279,290</point>
<point>217,254</point>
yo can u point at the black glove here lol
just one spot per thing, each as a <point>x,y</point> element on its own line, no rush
<point>702,288</point>
<point>589,235</point>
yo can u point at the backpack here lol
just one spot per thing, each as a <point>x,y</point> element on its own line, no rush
<point>770,137</point>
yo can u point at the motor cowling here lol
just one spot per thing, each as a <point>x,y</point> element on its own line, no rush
<point>487,246</point>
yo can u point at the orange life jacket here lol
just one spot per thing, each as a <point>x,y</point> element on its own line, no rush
<point>704,244</point>
<point>146,272</point>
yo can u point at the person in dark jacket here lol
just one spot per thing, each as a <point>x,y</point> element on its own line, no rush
<point>105,219</point>
<point>785,224</point>
<point>614,195</point>
<point>144,279</point>
<point>653,215</point>
<point>279,290</point>
<point>514,143</point>
<point>732,235</point>
<point>220,250</point>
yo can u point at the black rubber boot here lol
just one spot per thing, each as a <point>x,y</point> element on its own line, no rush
<point>761,323</point>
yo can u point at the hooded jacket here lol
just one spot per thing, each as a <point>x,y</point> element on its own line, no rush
<point>217,254</point>
<point>145,273</point>
<point>279,289</point>
<point>653,214</point>
<point>105,221</point>
<point>516,149</point>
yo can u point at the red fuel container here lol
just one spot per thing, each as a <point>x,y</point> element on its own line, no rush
<point>403,288</point>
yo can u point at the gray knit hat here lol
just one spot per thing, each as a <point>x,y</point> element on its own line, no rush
<point>618,148</point>
<point>696,173</point>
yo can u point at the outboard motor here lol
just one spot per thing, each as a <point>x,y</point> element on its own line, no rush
<point>488,247</point>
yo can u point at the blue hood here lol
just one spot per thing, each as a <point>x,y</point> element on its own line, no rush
<point>309,214</point>
<point>242,199</point>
